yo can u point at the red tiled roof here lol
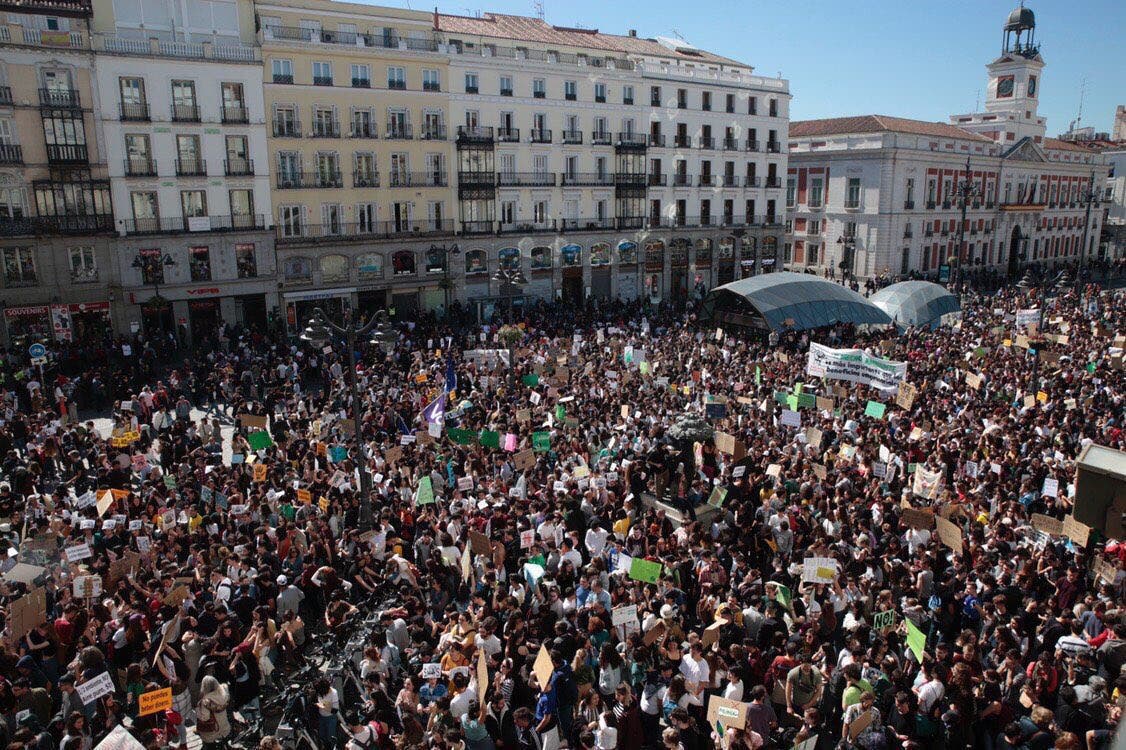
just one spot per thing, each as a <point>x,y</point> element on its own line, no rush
<point>879,124</point>
<point>528,29</point>
<point>1057,145</point>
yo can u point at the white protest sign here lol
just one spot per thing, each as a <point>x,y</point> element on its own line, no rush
<point>791,418</point>
<point>78,552</point>
<point>527,538</point>
<point>87,587</point>
<point>1051,487</point>
<point>94,688</point>
<point>819,570</point>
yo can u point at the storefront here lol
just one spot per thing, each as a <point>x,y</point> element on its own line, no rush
<point>27,324</point>
<point>89,321</point>
<point>571,259</point>
<point>600,285</point>
<point>299,306</point>
<point>82,322</point>
<point>156,316</point>
<point>205,319</point>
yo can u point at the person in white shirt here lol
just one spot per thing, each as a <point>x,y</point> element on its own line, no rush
<point>929,688</point>
<point>695,668</point>
<point>596,539</point>
<point>570,554</point>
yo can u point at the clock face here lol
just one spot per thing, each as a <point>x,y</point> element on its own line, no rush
<point>1032,85</point>
<point>1005,86</point>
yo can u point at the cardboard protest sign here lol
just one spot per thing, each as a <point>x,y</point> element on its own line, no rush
<point>87,587</point>
<point>917,518</point>
<point>905,395</point>
<point>252,421</point>
<point>543,667</point>
<point>655,633</point>
<point>883,620</point>
<point>480,543</point>
<point>949,533</point>
<point>727,712</point>
<point>826,404</point>
<point>819,570</point>
<point>177,596</point>
<point>927,484</point>
<point>525,459</point>
<point>24,573</point>
<point>119,738</point>
<point>260,472</point>
<point>1076,530</point>
<point>154,701</point>
<point>859,724</point>
<point>813,436</point>
<point>719,494</point>
<point>28,611</point>
<point>1047,524</point>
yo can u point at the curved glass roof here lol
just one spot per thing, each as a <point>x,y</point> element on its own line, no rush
<point>790,301</point>
<point>916,303</point>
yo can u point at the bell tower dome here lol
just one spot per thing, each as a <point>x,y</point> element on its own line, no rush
<point>1020,33</point>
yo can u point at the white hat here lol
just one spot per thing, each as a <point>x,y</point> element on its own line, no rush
<point>667,611</point>
<point>282,580</point>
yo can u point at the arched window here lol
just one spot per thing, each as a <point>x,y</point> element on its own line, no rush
<point>541,257</point>
<point>747,250</point>
<point>655,254</point>
<point>509,258</point>
<point>726,248</point>
<point>571,255</point>
<point>403,263</point>
<point>627,253</point>
<point>476,262</point>
<point>704,250</point>
<point>600,254</point>
<point>297,269</point>
<point>334,268</point>
<point>370,265</point>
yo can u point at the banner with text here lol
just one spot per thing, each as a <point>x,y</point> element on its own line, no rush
<point>855,366</point>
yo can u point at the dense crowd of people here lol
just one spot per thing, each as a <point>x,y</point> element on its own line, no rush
<point>608,527</point>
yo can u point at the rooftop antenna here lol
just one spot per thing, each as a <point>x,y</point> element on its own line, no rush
<point>537,8</point>
<point>1082,94</point>
<point>977,100</point>
<point>678,36</point>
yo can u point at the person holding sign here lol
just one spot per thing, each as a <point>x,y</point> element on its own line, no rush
<point>863,725</point>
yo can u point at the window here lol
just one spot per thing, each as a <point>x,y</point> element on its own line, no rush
<point>506,85</point>
<point>791,191</point>
<point>364,170</point>
<point>138,154</point>
<point>396,77</point>
<point>814,226</point>
<point>290,218</point>
<point>242,206</point>
<point>199,262</point>
<point>403,263</point>
<point>362,125</point>
<point>627,95</point>
<point>146,213</point>
<point>193,203</point>
<point>905,262</point>
<point>909,201</point>
<point>83,266</point>
<point>133,106</point>
<point>815,188</point>
<point>600,92</point>
<point>152,267</point>
<point>282,70</point>
<point>324,123</point>
<point>682,98</point>
<point>655,96</point>
<point>470,87</point>
<point>752,105</point>
<point>361,76</point>
<point>731,103</point>
<point>334,267</point>
<point>246,260</point>
<point>322,73</point>
<point>570,90</point>
<point>706,101</point>
<point>188,161</point>
<point>540,212</point>
<point>539,88</point>
<point>812,254</point>
<point>773,107</point>
<point>369,265</point>
<point>508,212</point>
<point>430,80</point>
<point>184,107</point>
<point>234,103</point>
<point>366,217</point>
<point>852,196</point>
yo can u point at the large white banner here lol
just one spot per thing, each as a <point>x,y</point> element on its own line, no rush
<point>855,366</point>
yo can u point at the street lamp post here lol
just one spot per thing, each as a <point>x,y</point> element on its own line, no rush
<point>1092,198</point>
<point>1028,283</point>
<point>848,259</point>
<point>318,333</point>
<point>965,190</point>
<point>151,264</point>
<point>447,280</point>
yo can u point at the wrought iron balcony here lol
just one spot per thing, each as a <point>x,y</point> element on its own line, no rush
<point>11,153</point>
<point>235,115</point>
<point>600,138</point>
<point>134,111</point>
<point>572,137</point>
<point>238,167</point>
<point>525,179</point>
<point>481,135</point>
<point>325,129</point>
<point>287,129</point>
<point>191,167</point>
<point>541,136</point>
<point>508,135</point>
<point>433,133</point>
<point>185,113</point>
<point>582,179</point>
<point>365,179</point>
<point>397,131</point>
<point>60,98</point>
<point>140,166</point>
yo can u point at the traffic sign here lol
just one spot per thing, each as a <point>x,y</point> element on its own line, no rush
<point>37,350</point>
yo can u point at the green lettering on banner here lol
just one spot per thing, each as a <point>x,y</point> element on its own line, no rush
<point>641,569</point>
<point>259,440</point>
<point>884,619</point>
<point>916,641</point>
<point>424,495</point>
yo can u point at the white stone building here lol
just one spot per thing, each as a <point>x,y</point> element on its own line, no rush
<point>878,196</point>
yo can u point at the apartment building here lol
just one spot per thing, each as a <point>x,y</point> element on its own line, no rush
<point>183,123</point>
<point>874,195</point>
<point>55,206</point>
<point>416,154</point>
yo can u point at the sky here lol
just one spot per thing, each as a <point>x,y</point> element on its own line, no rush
<point>907,58</point>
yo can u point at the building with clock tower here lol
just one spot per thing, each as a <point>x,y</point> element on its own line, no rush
<point>876,195</point>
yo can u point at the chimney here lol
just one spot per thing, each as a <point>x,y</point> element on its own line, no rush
<point>633,32</point>
<point>436,24</point>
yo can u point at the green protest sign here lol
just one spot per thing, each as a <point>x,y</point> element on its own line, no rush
<point>490,439</point>
<point>807,401</point>
<point>875,409</point>
<point>641,569</point>
<point>461,437</point>
<point>784,596</point>
<point>884,619</point>
<point>424,495</point>
<point>916,641</point>
<point>541,441</point>
<point>719,494</point>
<point>560,412</point>
<point>531,380</point>
<point>259,440</point>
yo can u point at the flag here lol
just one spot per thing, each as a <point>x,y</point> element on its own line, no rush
<point>435,411</point>
<point>719,727</point>
<point>403,428</point>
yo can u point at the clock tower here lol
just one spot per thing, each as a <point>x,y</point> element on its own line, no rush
<point>1014,85</point>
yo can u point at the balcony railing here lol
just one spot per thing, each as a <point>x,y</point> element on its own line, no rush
<point>682,141</point>
<point>417,179</point>
<point>319,179</point>
<point>325,129</point>
<point>322,80</point>
<point>751,181</point>
<point>235,115</point>
<point>11,153</point>
<point>632,140</point>
<point>283,78</point>
<point>657,140</point>
<point>177,49</point>
<point>177,224</point>
<point>706,180</point>
<point>508,135</point>
<point>752,145</point>
<point>630,179</point>
<point>364,130</point>
<point>47,225</point>
<point>541,136</point>
<point>773,147</point>
<point>431,86</point>
<point>576,179</point>
<point>365,179</point>
<point>681,180</point>
<point>656,180</point>
<point>191,167</point>
<point>287,129</point>
<point>185,113</point>
<point>586,225</point>
<point>477,227</point>
<point>572,137</point>
<point>433,133</point>
<point>707,141</point>
<point>140,167</point>
<point>67,153</point>
<point>238,167</point>
<point>5,94</point>
<point>466,134</point>
<point>361,83</point>
<point>474,179</point>
<point>397,131</point>
<point>529,227</point>
<point>730,180</point>
<point>506,92</point>
<point>396,84</point>
<point>526,179</point>
<point>472,90</point>
<point>61,98</point>
<point>134,111</point>
<point>774,182</point>
<point>600,138</point>
<point>730,144</point>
